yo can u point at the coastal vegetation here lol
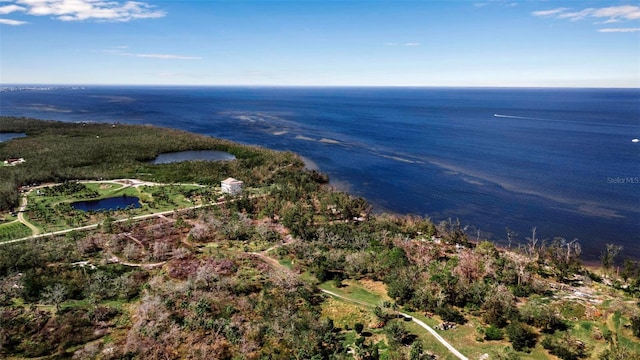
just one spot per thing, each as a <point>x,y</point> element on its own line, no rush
<point>291,270</point>
<point>59,151</point>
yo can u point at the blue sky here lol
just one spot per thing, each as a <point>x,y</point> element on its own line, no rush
<point>542,43</point>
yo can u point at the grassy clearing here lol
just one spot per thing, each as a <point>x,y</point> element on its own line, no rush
<point>7,218</point>
<point>366,291</point>
<point>286,263</point>
<point>345,315</point>
<point>51,211</point>
<point>14,230</point>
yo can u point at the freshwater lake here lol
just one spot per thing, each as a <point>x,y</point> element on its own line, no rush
<point>8,136</point>
<point>195,155</point>
<point>108,204</point>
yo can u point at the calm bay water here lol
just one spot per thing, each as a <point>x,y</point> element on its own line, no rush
<point>558,159</point>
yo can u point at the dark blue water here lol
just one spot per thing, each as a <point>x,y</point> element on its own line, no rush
<point>558,159</point>
<point>9,136</point>
<point>197,155</point>
<point>108,204</point>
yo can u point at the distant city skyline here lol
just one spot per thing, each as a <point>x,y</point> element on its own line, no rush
<point>491,43</point>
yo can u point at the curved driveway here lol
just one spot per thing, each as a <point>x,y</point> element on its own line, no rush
<point>444,342</point>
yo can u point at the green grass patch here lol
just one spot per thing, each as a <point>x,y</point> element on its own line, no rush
<point>572,310</point>
<point>14,230</point>
<point>356,291</point>
<point>50,209</point>
<point>7,218</point>
<point>286,262</point>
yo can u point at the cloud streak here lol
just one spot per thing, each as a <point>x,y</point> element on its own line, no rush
<point>85,10</point>
<point>12,22</point>
<point>118,50</point>
<point>8,9</point>
<point>403,44</point>
<point>612,14</point>
<point>166,56</point>
<point>550,12</point>
<point>619,30</point>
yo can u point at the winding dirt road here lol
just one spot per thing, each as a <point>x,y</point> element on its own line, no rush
<point>444,342</point>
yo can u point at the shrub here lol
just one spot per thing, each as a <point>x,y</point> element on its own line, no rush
<point>566,348</point>
<point>635,325</point>
<point>447,313</point>
<point>493,333</point>
<point>396,333</point>
<point>521,336</point>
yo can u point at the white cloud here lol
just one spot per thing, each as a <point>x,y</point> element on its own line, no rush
<point>119,50</point>
<point>549,12</point>
<point>619,30</point>
<point>506,3</point>
<point>166,56</point>
<point>8,9</point>
<point>611,14</point>
<point>86,10</point>
<point>12,22</point>
<point>403,44</point>
<point>616,13</point>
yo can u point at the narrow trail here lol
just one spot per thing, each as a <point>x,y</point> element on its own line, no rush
<point>117,260</point>
<point>276,265</point>
<point>262,255</point>
<point>23,206</point>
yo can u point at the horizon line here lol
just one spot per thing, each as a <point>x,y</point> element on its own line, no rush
<point>323,86</point>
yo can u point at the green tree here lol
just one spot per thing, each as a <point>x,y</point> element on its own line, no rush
<point>629,269</point>
<point>499,306</point>
<point>416,351</point>
<point>396,333</point>
<point>522,338</point>
<point>493,333</point>
<point>107,225</point>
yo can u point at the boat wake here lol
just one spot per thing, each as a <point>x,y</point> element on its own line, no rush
<point>517,117</point>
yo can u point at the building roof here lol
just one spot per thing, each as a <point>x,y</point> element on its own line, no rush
<point>232,181</point>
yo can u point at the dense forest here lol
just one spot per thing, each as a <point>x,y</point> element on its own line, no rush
<point>243,280</point>
<point>59,151</point>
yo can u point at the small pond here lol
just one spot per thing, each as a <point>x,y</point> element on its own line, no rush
<point>108,204</point>
<point>208,155</point>
<point>9,136</point>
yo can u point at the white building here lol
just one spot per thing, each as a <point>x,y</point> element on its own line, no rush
<point>231,186</point>
<point>14,161</point>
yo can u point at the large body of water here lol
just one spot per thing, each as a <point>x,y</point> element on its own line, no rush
<point>559,159</point>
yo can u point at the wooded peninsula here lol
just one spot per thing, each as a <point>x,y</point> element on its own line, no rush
<point>289,268</point>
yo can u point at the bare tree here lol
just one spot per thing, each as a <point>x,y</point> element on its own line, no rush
<point>510,236</point>
<point>54,295</point>
<point>533,242</point>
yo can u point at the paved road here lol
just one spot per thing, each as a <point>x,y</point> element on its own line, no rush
<point>444,342</point>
